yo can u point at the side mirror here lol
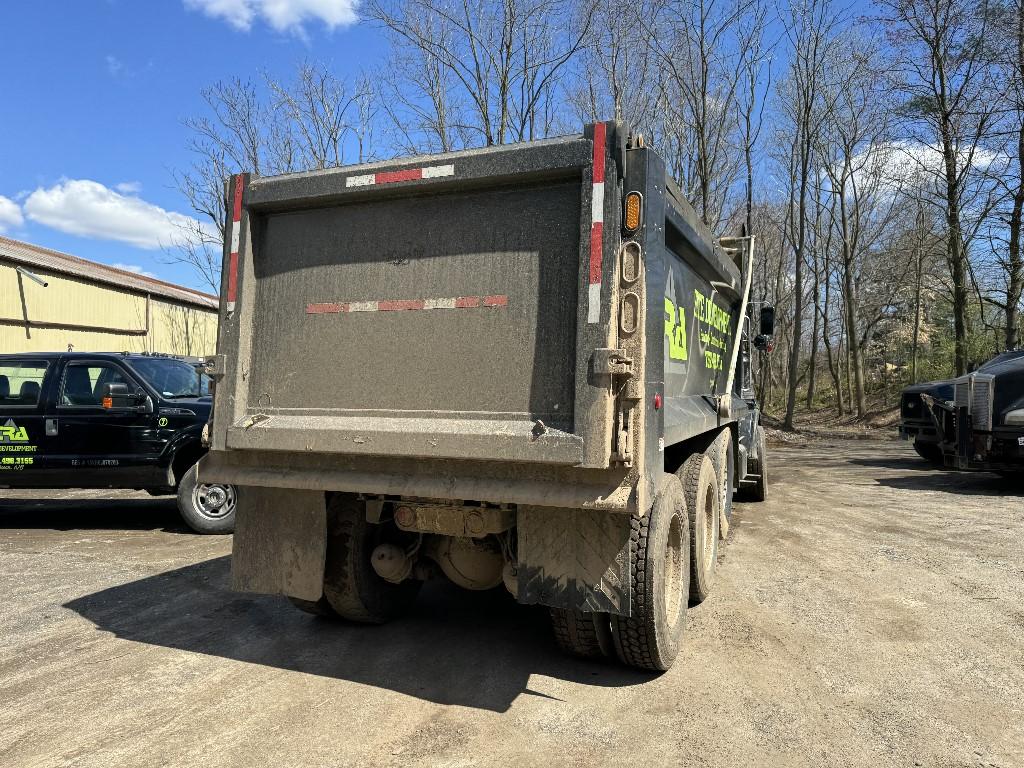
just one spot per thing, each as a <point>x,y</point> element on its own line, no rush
<point>118,396</point>
<point>767,320</point>
<point>764,343</point>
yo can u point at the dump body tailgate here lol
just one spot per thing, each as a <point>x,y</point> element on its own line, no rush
<point>437,308</point>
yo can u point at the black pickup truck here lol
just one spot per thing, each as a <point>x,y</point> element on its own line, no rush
<point>110,420</point>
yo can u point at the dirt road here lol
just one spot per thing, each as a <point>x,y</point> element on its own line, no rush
<point>870,614</point>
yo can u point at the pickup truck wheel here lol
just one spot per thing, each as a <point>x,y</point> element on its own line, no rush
<point>930,452</point>
<point>660,563</point>
<point>703,503</point>
<point>588,635</point>
<point>206,507</point>
<point>351,586</point>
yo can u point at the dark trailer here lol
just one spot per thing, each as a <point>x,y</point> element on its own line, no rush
<point>525,365</point>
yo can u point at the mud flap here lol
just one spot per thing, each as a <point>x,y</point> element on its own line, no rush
<point>574,558</point>
<point>280,542</point>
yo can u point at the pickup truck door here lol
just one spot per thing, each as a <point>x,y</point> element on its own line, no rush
<point>103,446</point>
<point>23,440</point>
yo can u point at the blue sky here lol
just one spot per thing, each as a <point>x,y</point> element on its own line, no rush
<point>94,95</point>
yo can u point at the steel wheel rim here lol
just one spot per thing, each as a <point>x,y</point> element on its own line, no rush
<point>213,501</point>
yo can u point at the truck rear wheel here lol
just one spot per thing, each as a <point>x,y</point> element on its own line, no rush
<point>351,586</point>
<point>723,456</point>
<point>588,635</point>
<point>757,468</point>
<point>316,607</point>
<point>703,503</point>
<point>660,563</point>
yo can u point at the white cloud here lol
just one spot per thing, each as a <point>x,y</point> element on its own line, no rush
<point>88,208</point>
<point>114,65</point>
<point>133,268</point>
<point>10,214</point>
<point>282,15</point>
<point>129,187</point>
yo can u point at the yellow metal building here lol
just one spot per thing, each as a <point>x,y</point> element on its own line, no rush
<point>90,307</point>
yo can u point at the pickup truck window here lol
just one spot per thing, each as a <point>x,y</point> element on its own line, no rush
<point>83,383</point>
<point>172,378</point>
<point>21,382</point>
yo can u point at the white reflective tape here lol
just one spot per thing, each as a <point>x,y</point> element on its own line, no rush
<point>236,235</point>
<point>438,171</point>
<point>597,203</point>
<point>362,306</point>
<point>361,181</point>
<point>439,303</point>
<point>594,303</point>
<point>231,306</point>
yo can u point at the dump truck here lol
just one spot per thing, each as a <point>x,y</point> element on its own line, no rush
<point>525,365</point>
<point>981,426</point>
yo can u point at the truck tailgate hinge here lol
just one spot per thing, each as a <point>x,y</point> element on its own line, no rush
<point>612,362</point>
<point>615,364</point>
<point>216,367</point>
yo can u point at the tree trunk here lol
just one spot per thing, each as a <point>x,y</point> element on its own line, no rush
<point>917,296</point>
<point>815,330</point>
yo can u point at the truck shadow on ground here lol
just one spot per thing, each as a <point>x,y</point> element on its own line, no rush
<point>930,478</point>
<point>472,649</point>
<point>144,514</point>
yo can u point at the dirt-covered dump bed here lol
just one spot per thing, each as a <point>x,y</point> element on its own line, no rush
<point>433,307</point>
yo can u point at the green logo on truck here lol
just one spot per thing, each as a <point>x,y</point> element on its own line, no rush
<point>12,433</point>
<point>675,330</point>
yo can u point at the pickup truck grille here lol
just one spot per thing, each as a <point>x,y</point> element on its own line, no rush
<point>975,392</point>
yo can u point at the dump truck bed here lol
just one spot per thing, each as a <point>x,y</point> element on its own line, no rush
<point>478,309</point>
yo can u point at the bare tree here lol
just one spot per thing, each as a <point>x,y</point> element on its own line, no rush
<point>271,126</point>
<point>946,79</point>
<point>704,49</point>
<point>810,30</point>
<point>1006,48</point>
<point>616,76</point>
<point>854,144</point>
<point>492,67</point>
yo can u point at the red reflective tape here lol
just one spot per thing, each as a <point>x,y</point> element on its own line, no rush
<point>239,186</point>
<point>395,306</point>
<point>596,251</point>
<point>324,309</point>
<point>599,142</point>
<point>233,277</point>
<point>412,174</point>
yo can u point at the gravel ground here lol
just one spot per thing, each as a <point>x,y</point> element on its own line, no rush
<point>871,613</point>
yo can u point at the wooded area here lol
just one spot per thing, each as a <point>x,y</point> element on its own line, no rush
<point>877,152</point>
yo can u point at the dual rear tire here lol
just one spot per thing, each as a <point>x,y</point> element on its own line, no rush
<point>352,589</point>
<point>674,551</point>
<point>660,556</point>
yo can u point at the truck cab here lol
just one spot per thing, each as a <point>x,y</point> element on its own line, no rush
<point>110,420</point>
<point>980,426</point>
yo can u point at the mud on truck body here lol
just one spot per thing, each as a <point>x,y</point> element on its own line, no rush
<point>981,427</point>
<point>525,364</point>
